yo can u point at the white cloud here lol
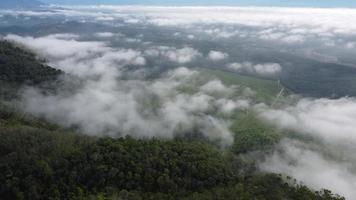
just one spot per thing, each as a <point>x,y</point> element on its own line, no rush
<point>82,58</point>
<point>137,108</point>
<point>287,36</point>
<point>191,37</point>
<point>181,56</point>
<point>104,34</point>
<point>309,20</point>
<point>217,55</point>
<point>106,103</point>
<point>295,20</point>
<point>293,39</point>
<point>350,45</point>
<point>287,25</point>
<point>216,86</point>
<point>133,40</point>
<point>182,72</point>
<point>219,32</point>
<point>228,106</point>
<point>328,163</point>
<point>64,36</point>
<point>266,69</point>
<point>312,168</point>
<point>328,119</point>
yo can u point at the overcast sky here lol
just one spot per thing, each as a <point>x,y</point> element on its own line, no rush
<point>295,3</point>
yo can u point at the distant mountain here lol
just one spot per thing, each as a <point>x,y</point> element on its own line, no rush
<point>19,3</point>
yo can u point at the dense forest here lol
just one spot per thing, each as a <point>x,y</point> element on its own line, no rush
<point>39,160</point>
<point>20,67</point>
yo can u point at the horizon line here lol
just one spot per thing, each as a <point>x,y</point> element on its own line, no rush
<point>197,6</point>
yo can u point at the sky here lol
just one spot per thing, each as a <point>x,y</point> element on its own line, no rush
<point>289,3</point>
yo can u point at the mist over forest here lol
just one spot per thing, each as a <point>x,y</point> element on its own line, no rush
<point>143,98</point>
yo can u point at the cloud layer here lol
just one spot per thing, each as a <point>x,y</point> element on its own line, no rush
<point>108,103</point>
<point>113,98</point>
<point>288,24</point>
<point>329,119</point>
<point>182,56</point>
<point>267,69</point>
<point>323,156</point>
<point>312,168</point>
<point>217,55</point>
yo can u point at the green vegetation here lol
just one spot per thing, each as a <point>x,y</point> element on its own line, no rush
<point>41,164</point>
<point>251,134</point>
<point>266,90</point>
<point>19,67</point>
<point>39,160</point>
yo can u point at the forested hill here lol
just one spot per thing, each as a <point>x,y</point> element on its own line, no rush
<point>40,161</point>
<point>20,67</point>
<point>40,164</point>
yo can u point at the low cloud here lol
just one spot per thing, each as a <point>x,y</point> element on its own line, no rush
<point>309,166</point>
<point>290,25</point>
<point>137,108</point>
<point>266,69</point>
<point>181,56</point>
<point>323,156</point>
<point>350,45</point>
<point>281,36</point>
<point>228,106</point>
<point>216,86</point>
<point>217,55</point>
<point>104,34</point>
<point>81,58</point>
<point>107,103</point>
<point>327,119</point>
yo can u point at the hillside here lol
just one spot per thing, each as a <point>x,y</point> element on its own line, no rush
<point>20,67</point>
<point>39,160</point>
